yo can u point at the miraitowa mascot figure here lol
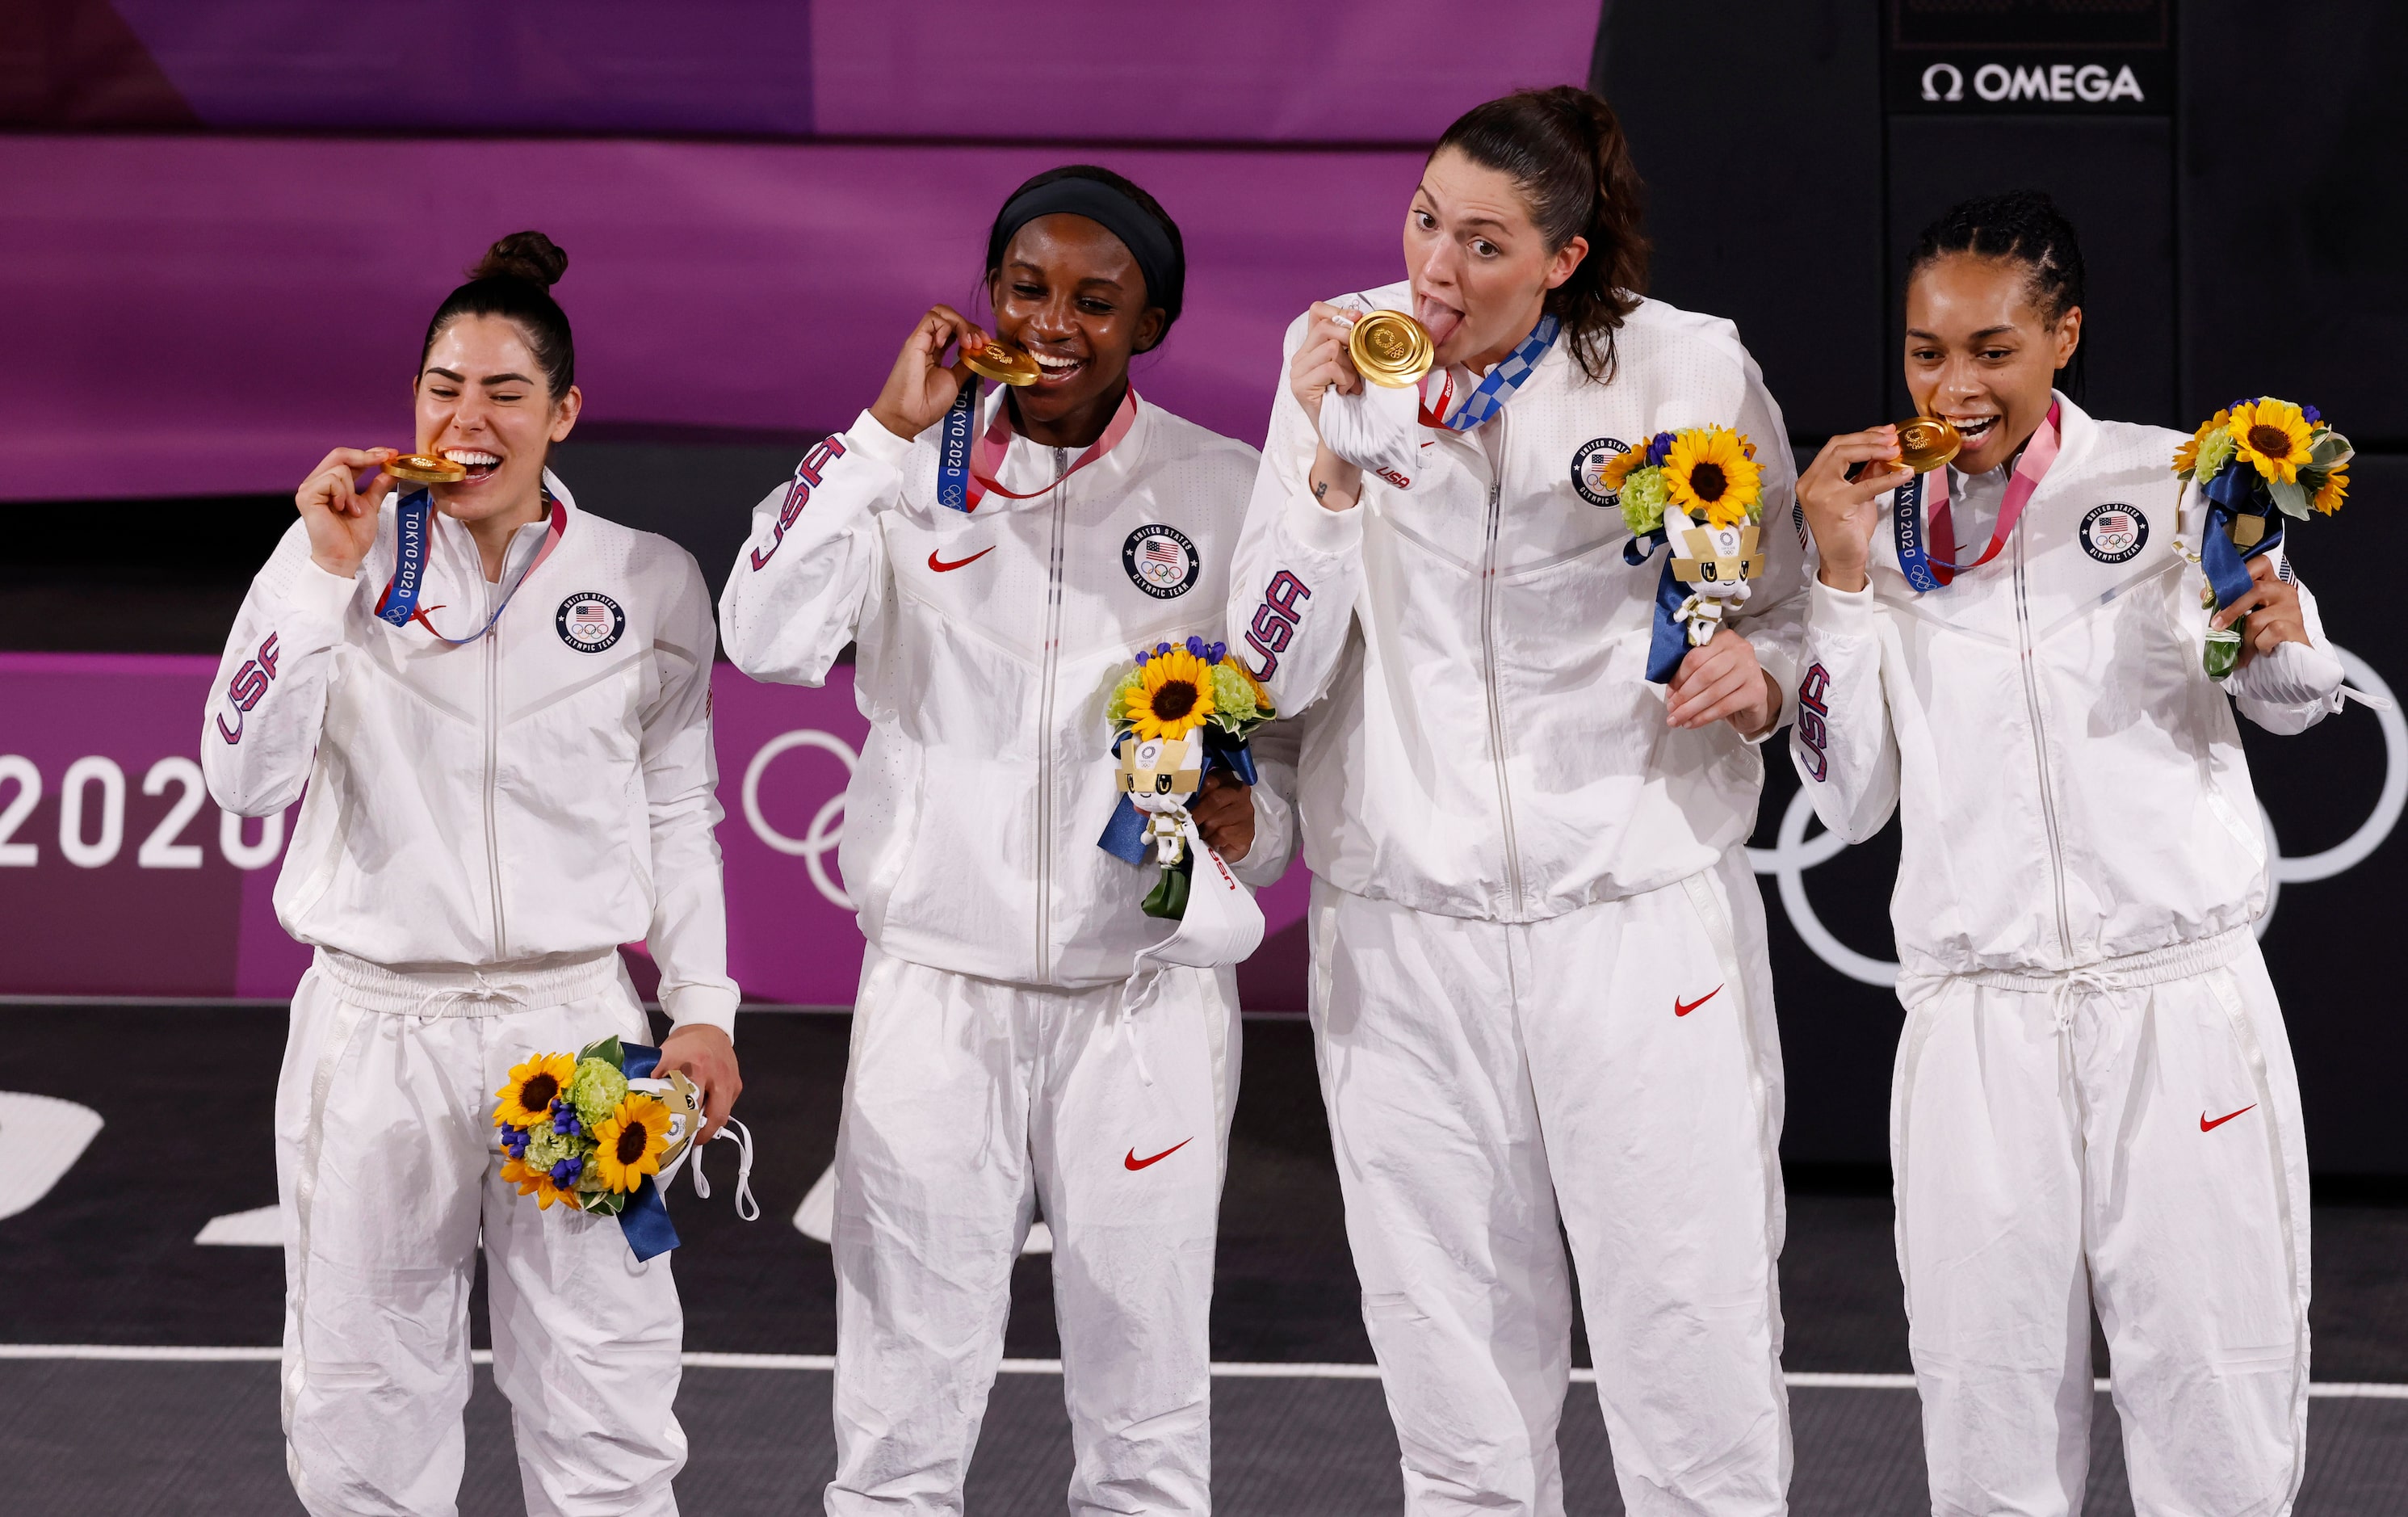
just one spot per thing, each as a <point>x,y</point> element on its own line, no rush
<point>1716,563</point>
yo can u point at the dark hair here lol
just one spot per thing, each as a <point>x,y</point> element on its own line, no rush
<point>513,280</point>
<point>2022,226</point>
<point>1166,282</point>
<point>1565,151</point>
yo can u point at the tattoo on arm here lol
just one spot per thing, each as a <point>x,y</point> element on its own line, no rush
<point>1321,489</point>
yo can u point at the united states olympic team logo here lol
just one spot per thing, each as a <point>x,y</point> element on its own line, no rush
<point>1161,561</point>
<point>2113,532</point>
<point>1588,470</point>
<point>589,622</point>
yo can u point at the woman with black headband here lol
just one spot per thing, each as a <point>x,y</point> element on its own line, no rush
<point>1000,1059</point>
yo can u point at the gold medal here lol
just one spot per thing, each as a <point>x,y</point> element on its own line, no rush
<point>425,468</point>
<point>1926,442</point>
<point>1390,348</point>
<point>1002,363</point>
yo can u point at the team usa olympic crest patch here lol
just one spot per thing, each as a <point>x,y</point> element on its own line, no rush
<point>2113,532</point>
<point>1161,561</point>
<point>590,623</point>
<point>1588,470</point>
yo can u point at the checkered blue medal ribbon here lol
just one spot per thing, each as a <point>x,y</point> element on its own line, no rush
<point>1502,381</point>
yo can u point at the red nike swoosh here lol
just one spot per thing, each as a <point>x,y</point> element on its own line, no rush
<point>1136,1163</point>
<point>2206,1126</point>
<point>1680,1010</point>
<point>944,568</point>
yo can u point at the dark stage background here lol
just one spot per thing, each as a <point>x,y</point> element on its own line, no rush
<point>2240,202</point>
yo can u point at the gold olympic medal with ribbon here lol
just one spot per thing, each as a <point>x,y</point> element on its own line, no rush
<point>1390,348</point>
<point>1001,362</point>
<point>425,468</point>
<point>1926,442</point>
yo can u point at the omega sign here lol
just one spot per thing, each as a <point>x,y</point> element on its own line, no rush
<point>2056,83</point>
<point>2029,57</point>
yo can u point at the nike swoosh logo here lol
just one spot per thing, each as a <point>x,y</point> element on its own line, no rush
<point>944,568</point>
<point>1680,1010</point>
<point>2206,1126</point>
<point>1135,1162</point>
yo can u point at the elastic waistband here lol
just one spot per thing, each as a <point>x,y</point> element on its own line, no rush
<point>2156,966</point>
<point>466,992</point>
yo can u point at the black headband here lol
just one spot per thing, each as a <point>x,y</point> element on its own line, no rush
<point>1158,259</point>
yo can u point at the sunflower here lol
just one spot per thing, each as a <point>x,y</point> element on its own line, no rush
<point>628,1142</point>
<point>2328,495</point>
<point>1710,474</point>
<point>1618,467</point>
<point>526,1100</point>
<point>531,1181</point>
<point>1177,697</point>
<point>2272,434</point>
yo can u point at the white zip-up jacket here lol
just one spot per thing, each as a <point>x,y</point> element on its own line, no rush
<point>541,795</point>
<point>2070,781</point>
<point>987,640</point>
<point>1489,745</point>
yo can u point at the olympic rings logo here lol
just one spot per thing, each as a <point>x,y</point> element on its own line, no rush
<point>1792,854</point>
<point>827,826</point>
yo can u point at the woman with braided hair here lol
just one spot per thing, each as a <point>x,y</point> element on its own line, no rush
<point>1541,990</point>
<point>2094,1101</point>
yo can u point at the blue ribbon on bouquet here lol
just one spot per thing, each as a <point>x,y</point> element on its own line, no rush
<point>1669,642</point>
<point>645,1219</point>
<point>1125,834</point>
<point>2235,492</point>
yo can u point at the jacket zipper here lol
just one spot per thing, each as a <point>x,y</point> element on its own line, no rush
<point>1488,674</point>
<point>1045,727</point>
<point>490,645</point>
<point>2040,752</point>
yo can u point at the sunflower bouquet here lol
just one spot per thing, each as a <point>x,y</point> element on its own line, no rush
<point>1178,714</point>
<point>1700,490</point>
<point>2255,462</point>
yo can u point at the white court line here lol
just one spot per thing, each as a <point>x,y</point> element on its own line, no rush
<point>1230,1370</point>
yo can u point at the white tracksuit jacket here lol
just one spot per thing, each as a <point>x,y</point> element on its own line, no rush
<point>1540,988</point>
<point>2071,782</point>
<point>2094,1096</point>
<point>986,640</point>
<point>483,826</point>
<point>524,799</point>
<point>1491,747</point>
<point>1003,1057</point>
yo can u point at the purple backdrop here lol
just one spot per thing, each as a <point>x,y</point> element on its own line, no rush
<point>200,315</point>
<point>1249,70</point>
<point>180,905</point>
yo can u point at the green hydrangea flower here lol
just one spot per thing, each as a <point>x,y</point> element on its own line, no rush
<point>1644,495</point>
<point>1233,697</point>
<point>2213,454</point>
<point>546,1147</point>
<point>596,1090</point>
<point>1132,685</point>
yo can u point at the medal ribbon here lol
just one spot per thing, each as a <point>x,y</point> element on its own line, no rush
<point>964,478</point>
<point>413,525</point>
<point>1907,517</point>
<point>1500,383</point>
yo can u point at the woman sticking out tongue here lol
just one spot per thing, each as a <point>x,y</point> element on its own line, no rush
<point>1545,996</point>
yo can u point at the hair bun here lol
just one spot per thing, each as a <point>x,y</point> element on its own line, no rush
<point>527,255</point>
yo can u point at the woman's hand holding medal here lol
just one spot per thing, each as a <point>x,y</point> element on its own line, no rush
<point>339,512</point>
<point>921,387</point>
<point>1843,512</point>
<point>1323,361</point>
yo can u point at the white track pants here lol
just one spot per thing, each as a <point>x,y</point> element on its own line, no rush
<point>2130,1131</point>
<point>386,1170</point>
<point>1618,1067</point>
<point>968,1101</point>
